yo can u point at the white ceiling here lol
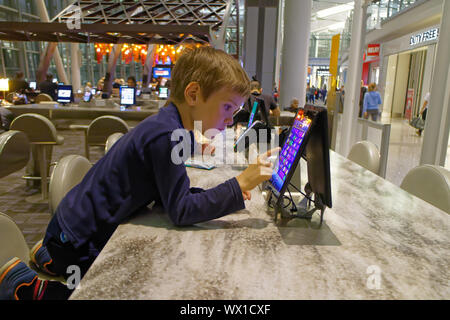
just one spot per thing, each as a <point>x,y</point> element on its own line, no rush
<point>331,24</point>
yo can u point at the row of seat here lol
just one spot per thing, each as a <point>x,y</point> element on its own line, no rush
<point>42,136</point>
<point>41,97</point>
<point>428,182</point>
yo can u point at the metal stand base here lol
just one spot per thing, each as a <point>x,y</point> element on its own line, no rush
<point>37,198</point>
<point>303,210</point>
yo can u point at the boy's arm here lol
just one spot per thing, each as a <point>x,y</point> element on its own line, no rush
<point>185,205</point>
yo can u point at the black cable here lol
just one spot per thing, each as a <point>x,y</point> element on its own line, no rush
<point>307,197</point>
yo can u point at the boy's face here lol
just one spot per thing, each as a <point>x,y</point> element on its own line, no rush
<point>217,111</point>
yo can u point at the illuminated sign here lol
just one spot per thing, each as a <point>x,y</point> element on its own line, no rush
<point>373,49</point>
<point>428,35</point>
<point>321,72</point>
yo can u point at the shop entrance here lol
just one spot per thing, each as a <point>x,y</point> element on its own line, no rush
<point>404,82</point>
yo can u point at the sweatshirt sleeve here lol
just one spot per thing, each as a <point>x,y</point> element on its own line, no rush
<point>185,205</point>
<point>379,98</point>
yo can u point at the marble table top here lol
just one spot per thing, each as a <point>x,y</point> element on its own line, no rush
<point>376,242</point>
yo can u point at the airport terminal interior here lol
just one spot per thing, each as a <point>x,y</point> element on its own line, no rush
<point>357,92</point>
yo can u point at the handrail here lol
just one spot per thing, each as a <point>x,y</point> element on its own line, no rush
<point>385,135</point>
<point>384,144</point>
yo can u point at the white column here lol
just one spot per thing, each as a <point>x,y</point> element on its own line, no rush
<point>279,42</point>
<point>436,131</point>
<point>353,83</point>
<point>75,65</point>
<point>43,14</point>
<point>294,66</point>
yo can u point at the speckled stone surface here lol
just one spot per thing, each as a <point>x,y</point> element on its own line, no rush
<point>374,226</point>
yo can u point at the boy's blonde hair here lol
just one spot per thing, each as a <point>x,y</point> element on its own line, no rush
<point>213,69</point>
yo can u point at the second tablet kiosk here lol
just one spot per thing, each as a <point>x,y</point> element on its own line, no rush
<point>307,138</point>
<point>257,120</point>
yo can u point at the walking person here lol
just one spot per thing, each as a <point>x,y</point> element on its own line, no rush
<point>423,111</point>
<point>372,100</point>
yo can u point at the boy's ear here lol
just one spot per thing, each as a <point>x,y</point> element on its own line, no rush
<point>192,93</point>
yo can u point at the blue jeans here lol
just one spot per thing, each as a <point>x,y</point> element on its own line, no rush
<point>373,113</point>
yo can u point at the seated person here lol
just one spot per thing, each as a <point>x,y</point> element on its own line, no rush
<point>99,88</point>
<point>294,105</point>
<point>49,87</point>
<point>116,84</point>
<point>140,169</point>
<point>269,102</point>
<point>88,86</point>
<point>153,84</point>
<point>18,84</point>
<point>131,82</point>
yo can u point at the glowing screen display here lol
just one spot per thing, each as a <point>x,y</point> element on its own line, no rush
<point>290,150</point>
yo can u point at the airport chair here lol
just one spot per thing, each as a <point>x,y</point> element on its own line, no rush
<point>431,183</point>
<point>13,244</point>
<point>14,152</point>
<point>366,154</point>
<point>67,173</point>
<point>112,139</point>
<point>42,135</point>
<point>101,128</point>
<point>43,97</point>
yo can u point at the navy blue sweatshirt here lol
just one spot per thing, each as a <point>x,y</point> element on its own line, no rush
<point>136,171</point>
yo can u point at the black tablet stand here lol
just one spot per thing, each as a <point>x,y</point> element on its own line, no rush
<point>303,210</point>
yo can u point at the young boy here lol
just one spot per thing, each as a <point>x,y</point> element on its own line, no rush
<point>207,85</point>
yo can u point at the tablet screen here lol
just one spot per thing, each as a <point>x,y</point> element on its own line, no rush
<point>252,115</point>
<point>293,144</point>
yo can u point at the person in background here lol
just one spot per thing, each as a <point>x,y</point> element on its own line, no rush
<point>18,84</point>
<point>308,88</point>
<point>131,82</point>
<point>275,93</point>
<point>153,84</point>
<point>312,94</point>
<point>341,98</point>
<point>294,105</point>
<point>324,93</point>
<point>372,100</point>
<point>87,87</point>
<point>270,104</point>
<point>49,87</point>
<point>423,111</point>
<point>100,84</point>
<point>116,84</point>
<point>362,93</point>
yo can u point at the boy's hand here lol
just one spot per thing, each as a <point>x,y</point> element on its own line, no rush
<point>247,195</point>
<point>208,149</point>
<point>256,173</point>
